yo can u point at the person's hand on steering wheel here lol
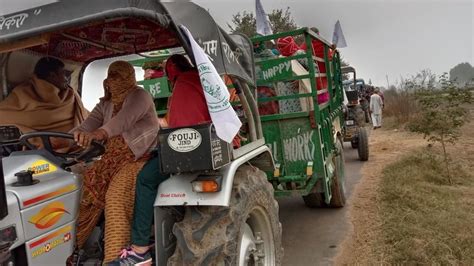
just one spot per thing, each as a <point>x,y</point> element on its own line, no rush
<point>61,145</point>
<point>84,139</point>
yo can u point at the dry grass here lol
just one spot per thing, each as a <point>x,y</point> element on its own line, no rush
<point>424,220</point>
<point>404,213</point>
<point>400,107</point>
<point>364,246</point>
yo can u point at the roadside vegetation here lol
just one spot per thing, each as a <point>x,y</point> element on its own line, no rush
<point>427,197</point>
<point>424,219</point>
<point>416,202</point>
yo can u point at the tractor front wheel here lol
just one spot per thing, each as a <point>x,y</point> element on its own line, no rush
<point>248,232</point>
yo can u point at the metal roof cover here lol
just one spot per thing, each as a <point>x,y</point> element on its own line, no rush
<point>230,54</point>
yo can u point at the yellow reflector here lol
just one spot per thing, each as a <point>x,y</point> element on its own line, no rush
<point>276,172</point>
<point>309,169</point>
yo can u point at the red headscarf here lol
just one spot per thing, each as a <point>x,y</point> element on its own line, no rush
<point>287,46</point>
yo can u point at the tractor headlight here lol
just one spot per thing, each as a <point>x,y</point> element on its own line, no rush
<point>8,234</point>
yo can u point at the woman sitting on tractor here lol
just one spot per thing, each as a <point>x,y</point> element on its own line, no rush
<point>187,107</point>
<point>126,120</point>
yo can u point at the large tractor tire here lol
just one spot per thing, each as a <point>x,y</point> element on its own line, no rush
<point>248,232</point>
<point>363,144</point>
<point>354,143</point>
<point>316,199</point>
<point>338,189</point>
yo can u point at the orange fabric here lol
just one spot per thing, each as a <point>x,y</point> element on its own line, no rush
<point>119,204</point>
<point>38,105</point>
<point>96,182</point>
<point>232,91</point>
<point>116,169</point>
<point>233,97</point>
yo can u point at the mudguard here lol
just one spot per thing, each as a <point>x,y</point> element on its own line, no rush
<point>337,128</point>
<point>177,190</point>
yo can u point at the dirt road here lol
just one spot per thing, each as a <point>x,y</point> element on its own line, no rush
<point>312,236</point>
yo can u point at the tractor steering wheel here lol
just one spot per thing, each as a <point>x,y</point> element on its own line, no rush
<point>70,158</point>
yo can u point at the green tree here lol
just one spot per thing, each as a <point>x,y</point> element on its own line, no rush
<point>442,114</point>
<point>245,23</point>
<point>462,73</point>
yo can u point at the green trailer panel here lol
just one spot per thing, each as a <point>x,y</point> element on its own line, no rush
<point>302,140</point>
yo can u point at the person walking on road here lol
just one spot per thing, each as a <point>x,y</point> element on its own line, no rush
<point>376,106</point>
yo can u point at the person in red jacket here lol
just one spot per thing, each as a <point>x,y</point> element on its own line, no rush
<point>187,105</point>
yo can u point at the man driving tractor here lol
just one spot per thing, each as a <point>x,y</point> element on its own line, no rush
<point>45,102</point>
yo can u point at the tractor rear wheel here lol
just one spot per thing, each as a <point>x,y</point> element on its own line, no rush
<point>363,144</point>
<point>338,199</point>
<point>314,200</point>
<point>338,189</point>
<point>248,232</point>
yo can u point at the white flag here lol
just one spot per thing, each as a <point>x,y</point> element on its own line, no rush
<point>263,24</point>
<point>338,37</point>
<point>223,116</point>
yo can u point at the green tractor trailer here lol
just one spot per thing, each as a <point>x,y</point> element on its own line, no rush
<point>306,140</point>
<point>290,143</point>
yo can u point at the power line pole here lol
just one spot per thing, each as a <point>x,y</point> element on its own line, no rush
<point>388,84</point>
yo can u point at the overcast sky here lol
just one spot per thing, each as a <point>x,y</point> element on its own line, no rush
<point>384,37</point>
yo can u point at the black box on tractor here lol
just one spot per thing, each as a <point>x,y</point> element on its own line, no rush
<point>190,149</point>
<point>352,96</point>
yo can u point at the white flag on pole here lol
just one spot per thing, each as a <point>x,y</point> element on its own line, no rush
<point>338,37</point>
<point>223,116</point>
<point>263,23</point>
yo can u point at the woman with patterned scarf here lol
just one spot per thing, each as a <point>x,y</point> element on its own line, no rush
<point>126,120</point>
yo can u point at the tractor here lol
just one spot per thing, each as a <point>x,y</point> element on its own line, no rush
<point>295,152</point>
<point>356,116</point>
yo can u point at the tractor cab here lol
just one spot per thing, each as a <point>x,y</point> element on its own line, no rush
<point>350,86</point>
<point>357,114</point>
<point>39,194</point>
